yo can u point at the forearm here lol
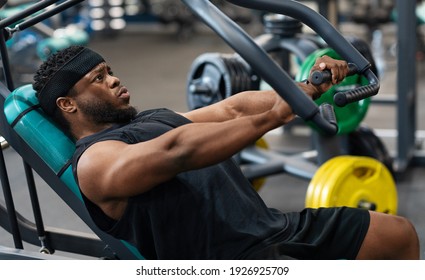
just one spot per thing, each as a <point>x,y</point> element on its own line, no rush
<point>201,144</point>
<point>244,104</point>
<point>251,102</point>
<point>255,102</point>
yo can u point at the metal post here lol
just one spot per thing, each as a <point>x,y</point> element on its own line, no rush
<point>406,83</point>
<point>329,9</point>
<point>10,205</point>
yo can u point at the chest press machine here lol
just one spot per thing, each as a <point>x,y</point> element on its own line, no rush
<point>47,150</point>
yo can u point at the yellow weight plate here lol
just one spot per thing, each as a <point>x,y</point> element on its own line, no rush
<point>259,182</point>
<point>377,189</point>
<point>367,184</point>
<point>355,182</point>
<point>343,187</point>
<point>317,184</point>
<point>337,169</point>
<point>320,182</point>
<point>322,189</point>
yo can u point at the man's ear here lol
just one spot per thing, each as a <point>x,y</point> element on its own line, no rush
<point>66,104</point>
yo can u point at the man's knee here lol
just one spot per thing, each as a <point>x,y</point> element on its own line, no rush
<point>407,232</point>
<point>409,239</point>
<point>390,237</point>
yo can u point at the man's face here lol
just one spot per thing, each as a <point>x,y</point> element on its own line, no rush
<point>101,97</point>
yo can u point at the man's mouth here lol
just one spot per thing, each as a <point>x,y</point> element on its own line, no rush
<point>123,93</point>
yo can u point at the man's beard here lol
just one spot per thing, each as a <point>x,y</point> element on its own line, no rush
<point>106,113</point>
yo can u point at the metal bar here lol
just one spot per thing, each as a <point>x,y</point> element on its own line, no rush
<point>38,217</point>
<point>28,171</point>
<point>10,205</point>
<point>28,11</point>
<point>315,21</point>
<point>262,163</point>
<point>5,61</point>
<point>2,3</point>
<point>47,14</point>
<point>406,83</point>
<point>18,254</point>
<point>61,239</point>
<point>328,9</point>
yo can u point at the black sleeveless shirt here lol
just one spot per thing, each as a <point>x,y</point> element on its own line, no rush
<point>209,213</point>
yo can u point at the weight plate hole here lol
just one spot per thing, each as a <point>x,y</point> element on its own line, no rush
<point>363,173</point>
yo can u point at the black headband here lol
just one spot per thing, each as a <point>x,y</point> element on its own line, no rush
<point>66,77</point>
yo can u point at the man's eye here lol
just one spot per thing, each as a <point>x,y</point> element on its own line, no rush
<point>99,77</point>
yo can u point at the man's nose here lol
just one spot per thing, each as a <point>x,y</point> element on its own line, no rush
<point>113,81</point>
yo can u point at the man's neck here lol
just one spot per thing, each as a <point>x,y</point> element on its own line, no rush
<point>83,131</point>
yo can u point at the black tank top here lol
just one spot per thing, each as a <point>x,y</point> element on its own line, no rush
<point>209,213</point>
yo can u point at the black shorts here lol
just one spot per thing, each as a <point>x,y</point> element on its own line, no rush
<point>324,233</point>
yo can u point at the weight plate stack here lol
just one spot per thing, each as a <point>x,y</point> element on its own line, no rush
<point>215,76</point>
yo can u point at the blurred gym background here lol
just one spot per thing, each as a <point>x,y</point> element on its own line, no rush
<point>152,44</point>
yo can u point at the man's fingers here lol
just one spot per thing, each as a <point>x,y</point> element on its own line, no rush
<point>338,68</point>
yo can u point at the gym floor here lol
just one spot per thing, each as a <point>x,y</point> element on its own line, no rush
<point>153,63</point>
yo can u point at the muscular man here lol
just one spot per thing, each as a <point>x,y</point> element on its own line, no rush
<point>165,181</point>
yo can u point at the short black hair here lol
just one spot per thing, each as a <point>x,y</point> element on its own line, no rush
<point>46,71</point>
<point>53,63</point>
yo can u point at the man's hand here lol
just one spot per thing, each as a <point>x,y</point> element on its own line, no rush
<point>338,68</point>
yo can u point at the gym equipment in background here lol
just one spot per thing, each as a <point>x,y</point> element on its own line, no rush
<point>214,77</point>
<point>29,47</point>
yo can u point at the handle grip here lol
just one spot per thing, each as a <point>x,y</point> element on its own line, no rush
<point>345,97</point>
<point>328,113</point>
<point>319,77</point>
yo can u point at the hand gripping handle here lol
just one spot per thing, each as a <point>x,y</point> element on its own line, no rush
<point>261,62</point>
<point>345,97</point>
<point>319,77</point>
